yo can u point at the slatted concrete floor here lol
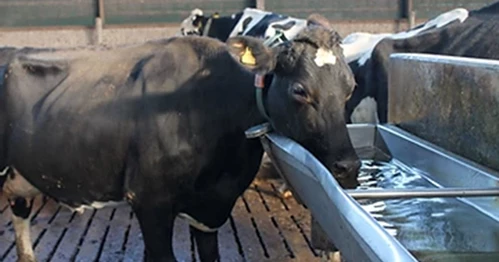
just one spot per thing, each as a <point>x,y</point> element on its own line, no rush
<point>263,227</point>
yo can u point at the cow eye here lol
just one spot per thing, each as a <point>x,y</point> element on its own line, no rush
<point>298,90</point>
<point>299,93</point>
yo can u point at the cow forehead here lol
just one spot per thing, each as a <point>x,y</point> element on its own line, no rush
<point>324,57</point>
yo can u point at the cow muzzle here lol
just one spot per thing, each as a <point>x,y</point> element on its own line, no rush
<point>346,173</point>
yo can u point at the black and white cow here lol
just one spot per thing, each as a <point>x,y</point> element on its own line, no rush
<point>249,22</point>
<point>457,32</point>
<point>214,26</point>
<point>161,125</point>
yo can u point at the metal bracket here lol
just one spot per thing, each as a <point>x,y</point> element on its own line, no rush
<point>258,130</point>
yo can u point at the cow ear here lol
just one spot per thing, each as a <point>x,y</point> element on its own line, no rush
<point>41,67</point>
<point>252,53</point>
<point>317,19</point>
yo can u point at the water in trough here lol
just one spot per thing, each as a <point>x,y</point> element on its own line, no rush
<point>432,229</point>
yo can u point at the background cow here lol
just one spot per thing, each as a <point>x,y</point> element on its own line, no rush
<point>161,126</point>
<point>249,22</point>
<point>213,26</point>
<point>457,32</point>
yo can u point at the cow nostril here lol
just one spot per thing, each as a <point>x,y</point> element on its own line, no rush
<point>346,167</point>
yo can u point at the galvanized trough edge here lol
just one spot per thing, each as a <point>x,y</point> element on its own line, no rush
<point>355,232</point>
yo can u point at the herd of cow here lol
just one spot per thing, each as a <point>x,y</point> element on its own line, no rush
<point>160,125</point>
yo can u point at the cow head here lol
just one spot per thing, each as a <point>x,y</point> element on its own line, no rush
<point>194,23</point>
<point>305,98</point>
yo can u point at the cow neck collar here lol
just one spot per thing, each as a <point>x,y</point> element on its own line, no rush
<point>276,39</point>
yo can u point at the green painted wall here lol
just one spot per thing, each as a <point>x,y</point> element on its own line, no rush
<point>165,11</point>
<point>47,13</point>
<point>21,13</point>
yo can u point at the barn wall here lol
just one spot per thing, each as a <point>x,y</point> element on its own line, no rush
<point>111,36</point>
<point>22,13</point>
<point>60,23</point>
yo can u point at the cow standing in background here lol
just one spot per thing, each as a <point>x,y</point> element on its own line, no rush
<point>213,26</point>
<point>456,33</point>
<point>161,125</point>
<point>249,22</point>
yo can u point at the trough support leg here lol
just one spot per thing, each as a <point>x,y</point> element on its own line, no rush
<point>207,244</point>
<point>21,216</point>
<point>320,242</point>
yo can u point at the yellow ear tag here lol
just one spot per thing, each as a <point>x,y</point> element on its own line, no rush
<point>247,58</point>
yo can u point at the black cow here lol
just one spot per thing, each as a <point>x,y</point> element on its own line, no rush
<point>161,126</point>
<point>250,22</point>
<point>213,26</point>
<point>456,33</point>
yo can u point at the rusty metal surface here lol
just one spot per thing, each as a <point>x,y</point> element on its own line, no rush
<point>449,101</point>
<point>263,227</point>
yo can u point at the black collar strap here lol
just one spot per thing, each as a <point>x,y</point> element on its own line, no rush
<point>260,85</point>
<point>278,38</point>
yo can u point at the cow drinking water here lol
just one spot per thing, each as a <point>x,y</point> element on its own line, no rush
<point>161,126</point>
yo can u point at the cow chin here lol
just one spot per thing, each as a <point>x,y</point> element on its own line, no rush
<point>347,181</point>
<point>346,173</point>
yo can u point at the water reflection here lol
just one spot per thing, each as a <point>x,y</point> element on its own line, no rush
<point>434,229</point>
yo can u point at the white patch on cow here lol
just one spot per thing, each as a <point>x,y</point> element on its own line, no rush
<point>324,56</point>
<point>193,222</point>
<point>365,112</point>
<point>23,238</point>
<point>357,44</point>
<point>95,205</point>
<point>290,33</point>
<point>257,16</point>
<point>360,45</point>
<point>5,171</point>
<point>187,27</point>
<point>18,186</point>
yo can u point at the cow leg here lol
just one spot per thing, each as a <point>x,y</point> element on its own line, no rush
<point>207,244</point>
<point>21,210</point>
<point>156,225</point>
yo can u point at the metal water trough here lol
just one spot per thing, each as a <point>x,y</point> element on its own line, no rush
<point>349,227</point>
<point>422,135</point>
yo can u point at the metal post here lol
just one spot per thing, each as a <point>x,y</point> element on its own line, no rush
<point>99,22</point>
<point>411,14</point>
<point>98,31</point>
<point>260,4</point>
<point>101,12</point>
<point>423,193</point>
